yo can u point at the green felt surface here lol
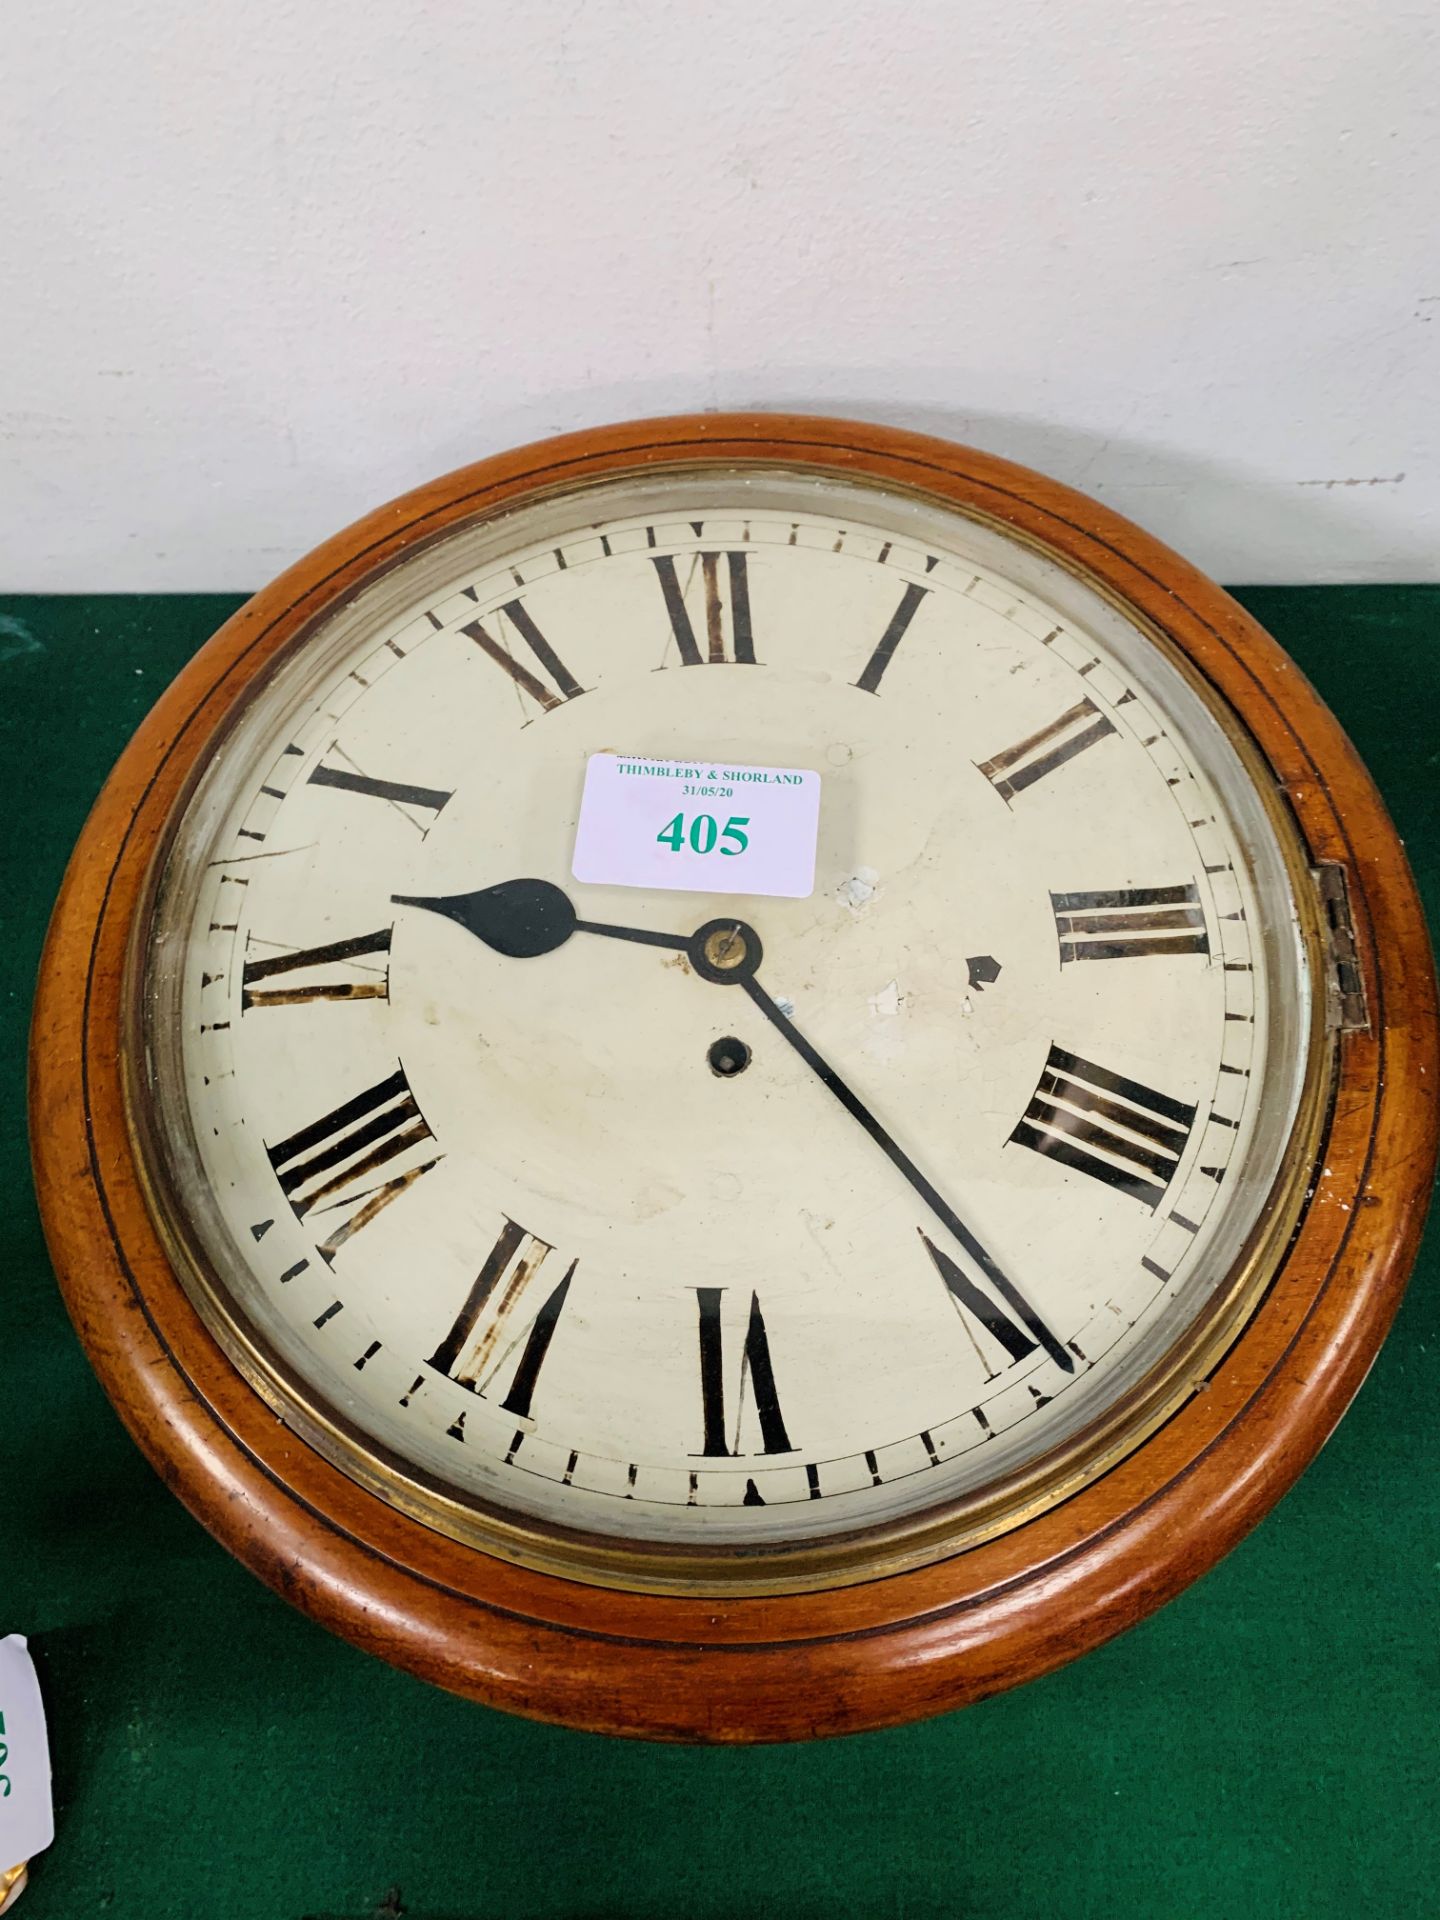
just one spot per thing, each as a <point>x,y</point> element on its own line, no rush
<point>1267,1745</point>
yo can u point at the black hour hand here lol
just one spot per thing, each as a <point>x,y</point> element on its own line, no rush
<point>519,918</point>
<point>524,918</point>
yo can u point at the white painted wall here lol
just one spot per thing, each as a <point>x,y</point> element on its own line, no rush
<point>267,264</point>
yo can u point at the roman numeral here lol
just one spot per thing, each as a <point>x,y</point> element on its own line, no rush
<point>756,1370</point>
<point>471,1353</point>
<point>1100,1123</point>
<point>336,954</point>
<point>561,684</point>
<point>1129,923</point>
<point>328,1164</point>
<point>735,648</point>
<point>398,792</point>
<point>1029,760</point>
<point>869,681</point>
<point>968,1298</point>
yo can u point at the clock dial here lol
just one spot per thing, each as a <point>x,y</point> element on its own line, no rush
<point>696,1219</point>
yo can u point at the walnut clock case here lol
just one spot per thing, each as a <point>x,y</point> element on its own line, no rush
<point>708,1316</point>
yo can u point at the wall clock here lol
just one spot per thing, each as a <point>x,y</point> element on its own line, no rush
<point>699,1309</point>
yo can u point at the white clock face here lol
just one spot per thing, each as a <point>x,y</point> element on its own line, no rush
<point>574,1226</point>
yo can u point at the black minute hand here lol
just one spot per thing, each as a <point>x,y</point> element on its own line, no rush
<point>945,1214</point>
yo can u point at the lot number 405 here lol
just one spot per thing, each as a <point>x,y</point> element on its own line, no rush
<point>704,833</point>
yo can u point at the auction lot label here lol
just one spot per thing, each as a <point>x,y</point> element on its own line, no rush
<point>698,825</point>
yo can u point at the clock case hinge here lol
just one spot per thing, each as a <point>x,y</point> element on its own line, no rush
<point>1347,1008</point>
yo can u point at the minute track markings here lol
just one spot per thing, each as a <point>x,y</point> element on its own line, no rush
<point>744,1476</point>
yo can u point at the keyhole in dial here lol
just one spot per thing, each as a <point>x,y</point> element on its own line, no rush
<point>728,1057</point>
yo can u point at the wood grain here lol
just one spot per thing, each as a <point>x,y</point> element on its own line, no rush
<point>775,1666</point>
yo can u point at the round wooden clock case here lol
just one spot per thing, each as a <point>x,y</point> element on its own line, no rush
<point>886,1625</point>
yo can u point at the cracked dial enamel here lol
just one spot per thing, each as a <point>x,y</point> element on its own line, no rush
<point>702,1220</point>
